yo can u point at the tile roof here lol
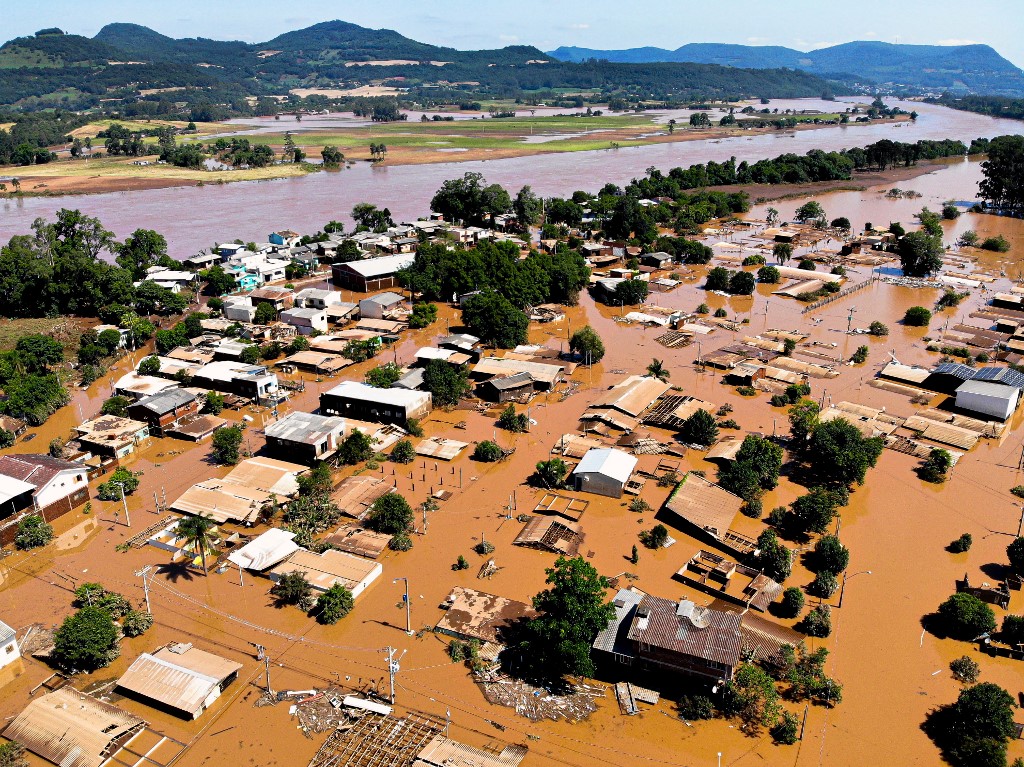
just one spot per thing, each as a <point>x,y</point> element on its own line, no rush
<point>34,468</point>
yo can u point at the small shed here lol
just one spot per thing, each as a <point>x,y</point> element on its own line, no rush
<point>329,568</point>
<point>604,471</point>
<point>517,387</point>
<point>987,399</point>
<point>179,678</point>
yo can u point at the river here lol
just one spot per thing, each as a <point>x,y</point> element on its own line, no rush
<point>193,218</point>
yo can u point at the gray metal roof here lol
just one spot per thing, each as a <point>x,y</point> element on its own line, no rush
<point>988,389</point>
<point>511,382</point>
<point>307,428</point>
<point>166,400</point>
<point>609,640</point>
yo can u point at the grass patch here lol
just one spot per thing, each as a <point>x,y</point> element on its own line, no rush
<point>12,330</point>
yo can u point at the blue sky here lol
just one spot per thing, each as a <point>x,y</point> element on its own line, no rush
<point>801,24</point>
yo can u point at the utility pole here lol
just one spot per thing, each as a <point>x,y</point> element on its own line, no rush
<point>408,607</point>
<point>849,319</point>
<point>393,668</point>
<point>145,584</point>
<point>127,519</point>
<point>266,660</point>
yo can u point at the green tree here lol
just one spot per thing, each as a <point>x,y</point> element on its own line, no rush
<point>818,622</point>
<point>12,753</point>
<point>782,251</point>
<point>150,366</point>
<point>572,612</point>
<point>265,313</point>
<point>786,729</point>
<point>142,249</point>
<point>764,457</point>
<point>356,447</point>
<point>824,584</point>
<point>86,640</point>
<point>631,292</point>
<point>332,156</point>
<point>792,602</point>
<point>214,403</point>
<point>839,454</point>
<point>116,406</point>
<point>965,670</point>
<point>809,211</point>
<point>775,560</point>
<point>699,429</point>
<point>32,532</point>
<point>7,438</point>
<point>718,279</point>
<point>487,452</point>
<point>512,421</point>
<point>587,344</point>
<point>495,320</point>
<point>224,448</point>
<point>39,353</point>
<point>741,283</point>
<point>769,275</point>
<point>655,538</point>
<point>935,466</point>
<point>218,281</point>
<point>136,623</point>
<point>423,314</point>
<point>1015,553</point>
<point>920,253</point>
<point>121,479</point>
<point>751,695</point>
<point>292,589</point>
<point>198,536</point>
<point>384,375</point>
<point>658,370</point>
<point>830,555</point>
<point>403,452</point>
<point>964,616</point>
<point>549,474</point>
<point>1002,186</point>
<point>974,731</point>
<point>803,418</point>
<point>446,383</point>
<point>334,604</point>
<point>528,207</point>
<point>390,513</point>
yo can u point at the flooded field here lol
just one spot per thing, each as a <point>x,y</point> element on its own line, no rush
<point>249,211</point>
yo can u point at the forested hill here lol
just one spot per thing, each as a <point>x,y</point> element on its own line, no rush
<point>954,68</point>
<point>57,69</point>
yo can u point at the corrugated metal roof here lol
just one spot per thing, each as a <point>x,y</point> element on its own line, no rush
<point>182,681</point>
<point>633,395</point>
<point>479,615</point>
<point>442,752</point>
<point>609,462</point>
<point>687,629</point>
<point>71,729</point>
<point>612,639</point>
<point>704,504</point>
<point>324,570</point>
<point>307,428</point>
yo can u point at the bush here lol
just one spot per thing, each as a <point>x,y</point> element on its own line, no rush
<point>792,602</point>
<point>721,312</point>
<point>965,670</point>
<point>860,356</point>
<point>400,542</point>
<point>808,264</point>
<point>86,640</point>
<point>354,448</point>
<point>654,538</point>
<point>512,421</point>
<point>214,403</point>
<point>382,376</point>
<point>696,707</point>
<point>484,548</point>
<point>488,452</point>
<point>787,729</point>
<point>549,474</point>
<point>390,513</point>
<point>935,466</point>
<point>769,275</point>
<point>136,623</point>
<point>824,584</point>
<point>699,429</point>
<point>753,508</point>
<point>461,563</point>
<point>33,532</point>
<point>877,328</point>
<point>917,317</point>
<point>817,623</point>
<point>746,391</point>
<point>149,366</point>
<point>116,406</point>
<point>703,309</point>
<point>334,604</point>
<point>961,544</point>
<point>403,452</point>
<point>12,754</point>
<point>423,314</point>
<point>413,427</point>
<point>999,244</point>
<point>964,616</point>
<point>111,489</point>
<point>639,506</point>
<point>292,589</point>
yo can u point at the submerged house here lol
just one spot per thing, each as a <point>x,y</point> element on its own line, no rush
<point>604,471</point>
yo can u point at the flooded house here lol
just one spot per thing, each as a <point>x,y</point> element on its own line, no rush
<point>279,298</point>
<point>472,614</point>
<point>253,382</point>
<point>31,483</point>
<point>11,664</point>
<point>371,274</point>
<point>111,435</point>
<point>517,387</point>
<point>330,568</point>
<point>317,298</point>
<point>178,678</point>
<point>381,306</point>
<point>165,410</point>
<point>305,437</point>
<point>604,471</point>
<point>305,321</point>
<point>351,399</point>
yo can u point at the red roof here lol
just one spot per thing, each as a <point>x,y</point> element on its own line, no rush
<point>34,468</point>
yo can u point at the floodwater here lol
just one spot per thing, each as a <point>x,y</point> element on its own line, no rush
<point>195,217</point>
<point>896,526</point>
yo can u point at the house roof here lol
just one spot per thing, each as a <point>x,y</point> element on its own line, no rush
<point>71,729</point>
<point>613,638</point>
<point>988,389</point>
<point>144,385</point>
<point>355,495</point>
<point>395,397</point>
<point>324,570</point>
<point>609,462</point>
<point>11,488</point>
<point>166,401</point>
<point>35,469</point>
<point>179,676</point>
<point>266,550</point>
<point>908,373</point>
<point>377,267</point>
<point>388,298</point>
<point>267,474</point>
<point>228,370</point>
<point>514,381</point>
<point>704,504</point>
<point>766,638</point>
<point>633,395</point>
<point>7,634</point>
<point>480,615</point>
<point>442,752</point>
<point>540,371</point>
<point>687,629</point>
<point>1000,375</point>
<point>307,428</point>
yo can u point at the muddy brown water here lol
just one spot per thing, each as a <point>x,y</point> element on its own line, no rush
<point>195,217</point>
<point>896,526</point>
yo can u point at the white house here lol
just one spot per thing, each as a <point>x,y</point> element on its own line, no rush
<point>305,321</point>
<point>987,399</point>
<point>317,298</point>
<point>239,308</point>
<point>10,656</point>
<point>604,471</point>
<point>379,306</point>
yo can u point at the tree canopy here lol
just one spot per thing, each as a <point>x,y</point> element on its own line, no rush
<point>839,454</point>
<point>492,318</point>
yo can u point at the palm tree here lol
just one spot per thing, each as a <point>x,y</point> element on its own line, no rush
<point>197,535</point>
<point>657,370</point>
<point>773,216</point>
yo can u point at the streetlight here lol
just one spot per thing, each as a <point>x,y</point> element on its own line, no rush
<point>719,759</point>
<point>408,609</point>
<point>127,519</point>
<point>845,579</point>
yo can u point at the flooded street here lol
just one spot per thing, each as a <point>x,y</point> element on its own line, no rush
<point>896,526</point>
<point>193,218</point>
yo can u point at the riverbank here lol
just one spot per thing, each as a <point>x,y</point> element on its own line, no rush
<point>416,143</point>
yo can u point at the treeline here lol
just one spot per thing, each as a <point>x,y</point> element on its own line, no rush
<point>34,392</point>
<point>994,106</point>
<point>1002,187</point>
<point>58,270</point>
<point>26,141</point>
<point>441,274</point>
<point>816,165</point>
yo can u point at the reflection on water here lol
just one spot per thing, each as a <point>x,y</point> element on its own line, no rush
<point>251,210</point>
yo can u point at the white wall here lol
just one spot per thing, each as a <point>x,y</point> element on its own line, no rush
<point>61,486</point>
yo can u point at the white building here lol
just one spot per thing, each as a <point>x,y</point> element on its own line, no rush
<point>305,321</point>
<point>604,471</point>
<point>379,306</point>
<point>10,655</point>
<point>987,399</point>
<point>317,298</point>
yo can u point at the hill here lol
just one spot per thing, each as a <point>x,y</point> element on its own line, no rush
<point>958,69</point>
<point>53,68</point>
